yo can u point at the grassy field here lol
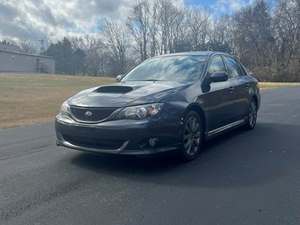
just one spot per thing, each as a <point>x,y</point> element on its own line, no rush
<point>27,99</point>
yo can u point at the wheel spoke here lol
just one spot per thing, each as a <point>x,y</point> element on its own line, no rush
<point>191,121</point>
<point>188,127</point>
<point>198,134</point>
<point>194,148</point>
<point>195,126</point>
<point>187,137</point>
<point>188,146</point>
<point>197,141</point>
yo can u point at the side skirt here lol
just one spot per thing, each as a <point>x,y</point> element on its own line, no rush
<point>226,127</point>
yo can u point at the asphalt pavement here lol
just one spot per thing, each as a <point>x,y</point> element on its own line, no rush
<point>243,178</point>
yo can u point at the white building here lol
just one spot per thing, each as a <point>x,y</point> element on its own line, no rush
<point>12,60</point>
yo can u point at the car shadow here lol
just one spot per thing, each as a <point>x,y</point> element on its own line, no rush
<point>238,158</point>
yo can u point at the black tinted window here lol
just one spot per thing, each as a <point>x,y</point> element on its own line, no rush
<point>234,69</point>
<point>216,65</point>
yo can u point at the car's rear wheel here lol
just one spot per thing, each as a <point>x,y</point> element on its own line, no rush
<point>192,136</point>
<point>252,116</point>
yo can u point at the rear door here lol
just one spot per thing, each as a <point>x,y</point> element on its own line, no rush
<point>239,90</point>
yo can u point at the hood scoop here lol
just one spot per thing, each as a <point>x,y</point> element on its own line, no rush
<point>114,89</point>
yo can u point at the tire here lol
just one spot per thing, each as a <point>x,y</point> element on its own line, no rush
<point>252,116</point>
<point>192,136</point>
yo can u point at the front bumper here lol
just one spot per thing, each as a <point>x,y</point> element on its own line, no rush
<point>119,137</point>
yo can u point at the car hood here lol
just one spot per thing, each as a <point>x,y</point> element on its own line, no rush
<point>126,93</point>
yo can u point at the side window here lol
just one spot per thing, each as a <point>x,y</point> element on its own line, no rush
<point>243,69</point>
<point>234,68</point>
<point>216,65</point>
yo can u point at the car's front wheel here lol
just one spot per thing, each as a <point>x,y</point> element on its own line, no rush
<point>252,116</point>
<point>192,136</point>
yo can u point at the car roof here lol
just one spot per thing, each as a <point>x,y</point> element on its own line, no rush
<point>194,53</point>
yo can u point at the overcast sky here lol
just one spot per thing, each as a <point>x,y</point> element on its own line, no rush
<point>38,19</point>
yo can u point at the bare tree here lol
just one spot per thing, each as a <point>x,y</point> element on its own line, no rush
<point>27,47</point>
<point>139,25</point>
<point>178,32</point>
<point>154,30</point>
<point>116,41</point>
<point>287,31</point>
<point>198,23</point>
<point>167,18</point>
<point>253,38</point>
<point>95,53</point>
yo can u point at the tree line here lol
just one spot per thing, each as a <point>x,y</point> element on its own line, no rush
<point>264,36</point>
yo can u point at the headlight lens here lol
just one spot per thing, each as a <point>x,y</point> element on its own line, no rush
<point>65,108</point>
<point>139,112</point>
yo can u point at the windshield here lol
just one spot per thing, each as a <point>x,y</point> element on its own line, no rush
<point>170,68</point>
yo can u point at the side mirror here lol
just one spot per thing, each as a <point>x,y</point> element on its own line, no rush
<point>218,77</point>
<point>119,77</point>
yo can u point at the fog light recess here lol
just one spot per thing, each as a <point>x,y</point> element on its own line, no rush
<point>153,142</point>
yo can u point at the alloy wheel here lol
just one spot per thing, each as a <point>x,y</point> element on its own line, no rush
<point>192,135</point>
<point>252,117</point>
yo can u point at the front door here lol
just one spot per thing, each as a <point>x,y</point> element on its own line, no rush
<point>217,100</point>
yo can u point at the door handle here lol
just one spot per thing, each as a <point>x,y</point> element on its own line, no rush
<point>231,89</point>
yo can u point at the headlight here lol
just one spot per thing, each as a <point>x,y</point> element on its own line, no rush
<point>65,108</point>
<point>139,112</point>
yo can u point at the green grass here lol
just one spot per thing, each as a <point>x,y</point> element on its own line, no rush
<point>27,99</point>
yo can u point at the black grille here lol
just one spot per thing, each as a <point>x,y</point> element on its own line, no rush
<point>91,114</point>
